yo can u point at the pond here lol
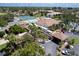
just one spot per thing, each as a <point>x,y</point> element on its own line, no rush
<point>30,19</point>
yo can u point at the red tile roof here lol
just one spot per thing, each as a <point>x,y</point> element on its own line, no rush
<point>47,22</point>
<point>60,35</point>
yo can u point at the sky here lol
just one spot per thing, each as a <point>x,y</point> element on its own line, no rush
<point>73,5</point>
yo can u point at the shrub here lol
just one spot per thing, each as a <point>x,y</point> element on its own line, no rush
<point>2,34</point>
<point>16,29</point>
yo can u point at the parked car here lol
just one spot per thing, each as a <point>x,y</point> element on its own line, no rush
<point>65,52</point>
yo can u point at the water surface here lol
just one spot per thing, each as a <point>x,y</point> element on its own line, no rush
<point>30,19</point>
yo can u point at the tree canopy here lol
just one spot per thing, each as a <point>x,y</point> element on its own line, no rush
<point>2,34</point>
<point>37,32</point>
<point>16,29</point>
<point>4,19</point>
<point>32,49</point>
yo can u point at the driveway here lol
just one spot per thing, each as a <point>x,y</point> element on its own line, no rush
<point>50,48</point>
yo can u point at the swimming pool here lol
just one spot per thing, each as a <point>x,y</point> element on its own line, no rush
<point>30,19</point>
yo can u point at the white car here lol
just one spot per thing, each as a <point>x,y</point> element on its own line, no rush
<point>65,52</point>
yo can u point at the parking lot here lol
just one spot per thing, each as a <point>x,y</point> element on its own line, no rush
<point>50,48</point>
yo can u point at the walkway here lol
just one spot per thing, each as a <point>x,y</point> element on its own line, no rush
<point>3,41</point>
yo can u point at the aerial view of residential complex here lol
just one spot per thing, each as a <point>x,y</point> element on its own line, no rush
<point>39,29</point>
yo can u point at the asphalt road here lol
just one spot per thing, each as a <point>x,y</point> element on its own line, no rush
<point>70,34</point>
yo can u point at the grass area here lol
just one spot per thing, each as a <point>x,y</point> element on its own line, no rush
<point>3,13</point>
<point>2,46</point>
<point>75,40</point>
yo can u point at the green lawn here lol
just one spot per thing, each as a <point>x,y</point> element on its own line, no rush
<point>2,46</point>
<point>76,40</point>
<point>3,13</point>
